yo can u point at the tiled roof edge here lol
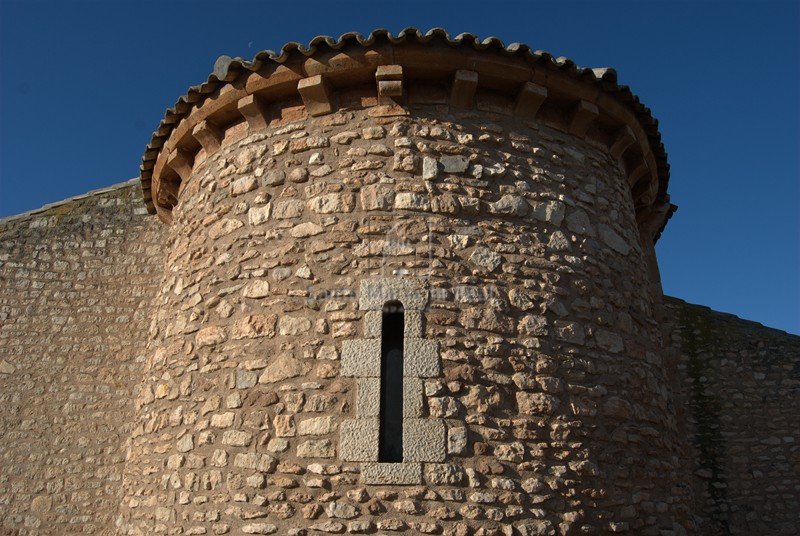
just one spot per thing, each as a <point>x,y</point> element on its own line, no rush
<point>227,69</point>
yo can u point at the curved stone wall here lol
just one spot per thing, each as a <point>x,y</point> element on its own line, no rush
<point>539,404</point>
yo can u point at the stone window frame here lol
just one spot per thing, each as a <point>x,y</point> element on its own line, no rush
<point>423,438</point>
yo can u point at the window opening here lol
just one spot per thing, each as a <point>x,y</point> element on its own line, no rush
<point>391,414</point>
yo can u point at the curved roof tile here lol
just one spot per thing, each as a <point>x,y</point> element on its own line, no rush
<point>226,69</point>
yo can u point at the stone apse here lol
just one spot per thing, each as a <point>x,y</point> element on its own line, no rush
<point>409,285</point>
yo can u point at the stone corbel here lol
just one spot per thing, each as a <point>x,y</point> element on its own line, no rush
<point>529,99</point>
<point>208,135</point>
<point>465,84</point>
<point>390,82</point>
<point>254,112</point>
<point>181,161</point>
<point>316,95</point>
<point>583,116</point>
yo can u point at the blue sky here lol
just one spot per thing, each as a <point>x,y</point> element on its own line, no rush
<point>84,84</point>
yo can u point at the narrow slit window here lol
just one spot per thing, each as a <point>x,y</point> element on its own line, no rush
<point>391,415</point>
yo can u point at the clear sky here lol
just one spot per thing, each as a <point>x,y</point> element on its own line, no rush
<point>84,84</point>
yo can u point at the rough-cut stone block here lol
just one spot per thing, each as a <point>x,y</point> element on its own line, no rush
<point>282,368</point>
<point>392,473</point>
<point>237,438</point>
<point>510,205</point>
<point>259,528</point>
<point>244,185</point>
<point>421,358</point>
<point>613,240</point>
<point>412,201</point>
<point>368,398</point>
<point>332,203</point>
<point>549,211</point>
<point>412,398</point>
<point>410,291</point>
<point>377,197</point>
<point>454,164</point>
<point>316,426</point>
<point>315,95</point>
<point>361,358</point>
<point>423,440</point>
<point>358,440</point>
<point>259,215</point>
<point>316,448</point>
<point>486,258</point>
<point>569,331</point>
<point>430,168</point>
<point>536,403</point>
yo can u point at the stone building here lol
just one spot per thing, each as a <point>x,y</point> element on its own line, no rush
<point>394,285</point>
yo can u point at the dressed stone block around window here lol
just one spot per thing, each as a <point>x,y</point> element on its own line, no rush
<point>423,439</point>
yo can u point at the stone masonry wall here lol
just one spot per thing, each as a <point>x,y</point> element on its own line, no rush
<point>76,285</point>
<point>519,243</point>
<point>742,405</point>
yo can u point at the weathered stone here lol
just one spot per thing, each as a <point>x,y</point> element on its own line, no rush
<point>569,331</point>
<point>613,240</point>
<point>283,368</point>
<point>608,340</point>
<point>535,527</point>
<point>536,403</point>
<point>210,336</point>
<point>558,242</point>
<point>259,528</point>
<point>377,197</point>
<point>244,185</point>
<point>223,228</point>
<point>316,448</point>
<point>359,439</point>
<point>304,230</point>
<point>274,177</point>
<point>391,473</point>
<point>256,289</point>
<point>332,203</point>
<point>510,205</point>
<point>457,440</point>
<point>578,222</point>
<point>454,164</point>
<point>423,440</point>
<point>237,438</point>
<point>293,325</point>
<point>185,443</point>
<point>259,215</point>
<point>254,326</point>
<point>288,209</point>
<point>412,201</point>
<point>41,504</point>
<point>223,420</point>
<point>486,258</point>
<point>341,510</point>
<point>444,474</point>
<point>316,426</point>
<point>430,168</point>
<point>549,211</point>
